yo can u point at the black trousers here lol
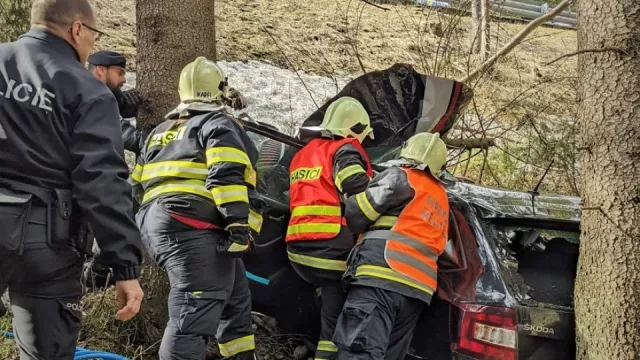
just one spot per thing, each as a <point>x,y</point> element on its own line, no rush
<point>45,288</point>
<point>376,324</point>
<point>333,296</point>
<point>209,295</point>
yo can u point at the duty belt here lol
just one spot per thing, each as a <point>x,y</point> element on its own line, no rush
<point>41,213</point>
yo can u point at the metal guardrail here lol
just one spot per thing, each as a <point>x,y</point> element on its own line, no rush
<point>525,10</point>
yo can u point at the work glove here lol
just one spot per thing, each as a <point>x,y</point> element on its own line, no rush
<point>239,241</point>
<point>128,103</point>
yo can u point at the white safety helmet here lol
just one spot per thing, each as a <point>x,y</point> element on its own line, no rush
<point>427,149</point>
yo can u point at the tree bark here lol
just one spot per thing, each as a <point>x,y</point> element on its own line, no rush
<point>607,292</point>
<point>170,34</point>
<point>14,19</point>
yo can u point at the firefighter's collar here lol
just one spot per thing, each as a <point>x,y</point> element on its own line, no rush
<point>308,133</point>
<point>184,108</point>
<point>405,163</point>
<point>414,165</point>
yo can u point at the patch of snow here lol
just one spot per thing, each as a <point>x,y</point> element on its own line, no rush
<point>274,95</point>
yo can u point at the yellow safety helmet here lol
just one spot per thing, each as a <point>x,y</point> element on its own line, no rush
<point>347,117</point>
<point>426,148</point>
<point>202,81</point>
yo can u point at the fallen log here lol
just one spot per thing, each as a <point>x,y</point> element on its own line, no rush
<point>474,143</point>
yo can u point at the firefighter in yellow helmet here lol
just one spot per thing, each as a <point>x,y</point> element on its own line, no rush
<point>331,166</point>
<point>195,176</point>
<point>403,217</point>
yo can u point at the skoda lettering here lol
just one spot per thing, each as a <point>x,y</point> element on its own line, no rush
<point>538,329</point>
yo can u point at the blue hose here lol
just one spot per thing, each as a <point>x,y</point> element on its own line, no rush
<point>82,353</point>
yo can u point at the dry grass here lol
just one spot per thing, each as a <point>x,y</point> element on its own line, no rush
<point>322,37</point>
<point>328,37</point>
<point>8,348</point>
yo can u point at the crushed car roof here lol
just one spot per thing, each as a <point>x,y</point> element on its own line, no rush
<point>401,102</point>
<point>503,203</point>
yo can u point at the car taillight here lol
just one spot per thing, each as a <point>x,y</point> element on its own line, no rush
<point>487,332</point>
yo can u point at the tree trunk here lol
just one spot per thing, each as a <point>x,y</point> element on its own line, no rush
<point>14,19</point>
<point>476,26</point>
<point>480,25</point>
<point>484,29</point>
<point>607,293</point>
<point>170,34</point>
<point>213,16</point>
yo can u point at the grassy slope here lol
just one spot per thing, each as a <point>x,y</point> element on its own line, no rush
<point>319,37</point>
<point>518,98</point>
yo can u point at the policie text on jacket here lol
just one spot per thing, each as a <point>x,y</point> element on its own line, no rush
<point>25,92</point>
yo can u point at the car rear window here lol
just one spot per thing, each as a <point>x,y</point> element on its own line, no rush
<point>539,264</point>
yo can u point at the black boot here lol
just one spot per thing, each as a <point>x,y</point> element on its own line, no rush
<point>3,310</point>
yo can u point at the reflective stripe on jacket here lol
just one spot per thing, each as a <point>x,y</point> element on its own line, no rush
<point>404,215</point>
<point>316,208</point>
<point>208,155</point>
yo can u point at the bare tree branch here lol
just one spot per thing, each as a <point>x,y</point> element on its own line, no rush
<point>375,5</point>
<point>354,40</point>
<point>484,164</point>
<point>516,40</point>
<point>482,143</point>
<point>585,51</point>
<point>467,160</point>
<point>493,175</point>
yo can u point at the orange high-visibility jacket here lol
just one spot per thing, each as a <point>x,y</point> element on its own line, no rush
<point>315,205</point>
<point>408,210</point>
<point>420,234</point>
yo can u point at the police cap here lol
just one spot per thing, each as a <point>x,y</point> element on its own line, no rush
<point>107,58</point>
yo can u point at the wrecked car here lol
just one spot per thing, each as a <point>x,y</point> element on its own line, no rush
<point>507,275</point>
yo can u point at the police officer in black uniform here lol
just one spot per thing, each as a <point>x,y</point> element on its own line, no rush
<point>62,162</point>
<point>110,68</point>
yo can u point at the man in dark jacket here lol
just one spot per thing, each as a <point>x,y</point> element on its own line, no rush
<point>195,176</point>
<point>110,68</point>
<point>61,166</point>
<point>403,219</point>
<point>331,167</point>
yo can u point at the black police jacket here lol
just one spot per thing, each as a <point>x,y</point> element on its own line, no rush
<point>60,129</point>
<point>128,103</point>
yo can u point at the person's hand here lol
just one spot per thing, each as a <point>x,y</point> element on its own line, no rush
<point>239,241</point>
<point>129,103</point>
<point>130,295</point>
